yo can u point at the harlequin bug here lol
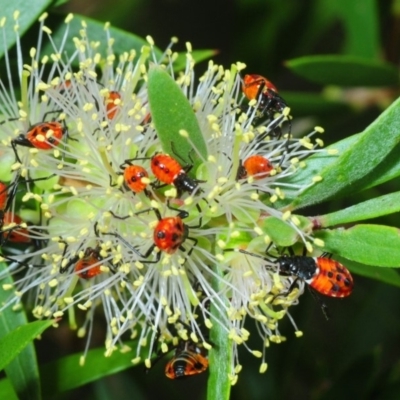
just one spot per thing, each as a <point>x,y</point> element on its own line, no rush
<point>3,196</point>
<point>89,265</point>
<point>86,266</point>
<point>64,86</point>
<point>167,170</point>
<point>15,233</point>
<point>256,87</point>
<point>170,172</point>
<point>42,136</point>
<point>169,234</point>
<point>324,275</point>
<point>256,165</point>
<point>133,177</point>
<point>188,360</point>
<point>112,104</point>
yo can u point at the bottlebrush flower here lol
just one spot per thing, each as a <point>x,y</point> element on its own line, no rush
<point>118,224</point>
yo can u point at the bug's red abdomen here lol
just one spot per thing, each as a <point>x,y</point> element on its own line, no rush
<point>45,135</point>
<point>188,360</point>
<point>169,234</point>
<point>3,195</point>
<point>333,279</point>
<point>252,83</point>
<point>133,175</point>
<point>84,267</point>
<point>257,166</point>
<point>165,168</point>
<point>17,234</point>
<point>112,104</point>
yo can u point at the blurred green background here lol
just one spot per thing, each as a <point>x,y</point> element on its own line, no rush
<point>356,354</point>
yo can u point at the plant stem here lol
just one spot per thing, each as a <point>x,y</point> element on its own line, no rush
<point>219,385</point>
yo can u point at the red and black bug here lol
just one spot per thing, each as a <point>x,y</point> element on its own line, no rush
<point>16,233</point>
<point>86,266</point>
<point>135,177</point>
<point>89,265</point>
<point>3,196</point>
<point>324,275</point>
<point>188,360</point>
<point>170,172</point>
<point>169,234</point>
<point>43,136</point>
<point>112,104</point>
<point>256,87</point>
<point>256,165</point>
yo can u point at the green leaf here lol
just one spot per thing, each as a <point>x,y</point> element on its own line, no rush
<point>386,275</point>
<point>67,373</point>
<point>28,15</point>
<point>314,165</point>
<point>281,233</point>
<point>361,21</point>
<point>171,112</point>
<point>6,390</point>
<point>198,56</point>
<point>23,371</point>
<point>353,169</point>
<point>382,205</point>
<point>60,3</point>
<point>124,41</point>
<point>344,70</point>
<point>388,169</point>
<point>376,245</point>
<point>15,341</point>
<point>304,104</point>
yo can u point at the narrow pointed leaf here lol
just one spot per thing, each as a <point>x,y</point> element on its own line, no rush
<point>386,275</point>
<point>375,245</point>
<point>383,205</point>
<point>361,23</point>
<point>344,70</point>
<point>67,373</point>
<point>388,169</point>
<point>171,112</point>
<point>15,341</point>
<point>28,15</point>
<point>314,165</point>
<point>352,169</point>
<point>23,371</point>
<point>6,390</point>
<point>303,103</point>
